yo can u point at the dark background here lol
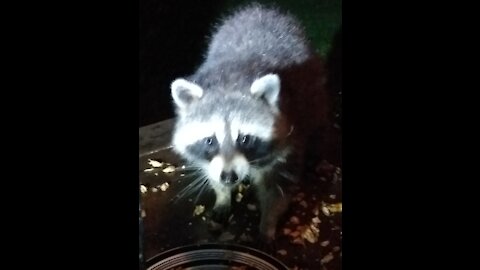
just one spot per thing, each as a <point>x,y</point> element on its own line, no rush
<point>174,36</point>
<point>172,40</point>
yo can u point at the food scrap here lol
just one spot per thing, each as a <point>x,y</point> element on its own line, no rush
<point>251,207</point>
<point>311,234</point>
<point>198,210</point>
<point>164,186</point>
<point>239,197</point>
<point>294,220</point>
<point>327,258</point>
<point>169,169</point>
<point>154,163</point>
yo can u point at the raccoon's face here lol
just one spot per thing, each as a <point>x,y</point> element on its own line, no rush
<point>229,135</point>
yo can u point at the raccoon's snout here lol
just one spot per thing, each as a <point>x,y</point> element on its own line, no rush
<point>228,177</point>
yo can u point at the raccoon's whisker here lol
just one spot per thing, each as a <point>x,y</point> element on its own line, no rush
<point>258,160</point>
<point>287,176</point>
<point>190,188</point>
<point>191,168</point>
<point>281,190</point>
<point>204,185</point>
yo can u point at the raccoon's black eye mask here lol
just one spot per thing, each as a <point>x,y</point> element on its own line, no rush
<point>254,148</point>
<point>206,148</point>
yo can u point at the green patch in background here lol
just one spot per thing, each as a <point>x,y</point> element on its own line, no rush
<point>321,18</point>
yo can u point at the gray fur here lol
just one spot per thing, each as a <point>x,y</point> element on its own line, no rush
<point>249,44</point>
<point>267,35</point>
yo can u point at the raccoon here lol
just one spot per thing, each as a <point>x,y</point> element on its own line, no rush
<point>249,110</point>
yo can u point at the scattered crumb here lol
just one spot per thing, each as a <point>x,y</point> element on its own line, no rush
<point>335,178</point>
<point>298,241</point>
<point>239,197</point>
<point>325,211</point>
<point>226,236</point>
<point>189,223</point>
<point>143,214</point>
<point>169,169</point>
<point>282,252</point>
<point>154,163</point>
<point>203,218</point>
<point>316,220</point>
<point>154,189</point>
<point>336,249</point>
<point>335,208</point>
<point>310,234</point>
<point>294,220</point>
<point>304,204</point>
<point>333,196</point>
<point>315,211</point>
<point>143,189</point>
<point>148,170</point>
<point>295,234</point>
<point>164,186</point>
<point>246,238</point>
<point>327,258</point>
<point>198,210</point>
<point>251,207</point>
<point>182,174</point>
<point>325,243</point>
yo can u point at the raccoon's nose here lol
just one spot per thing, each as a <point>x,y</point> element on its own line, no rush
<point>228,177</point>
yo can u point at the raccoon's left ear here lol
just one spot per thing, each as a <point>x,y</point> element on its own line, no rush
<point>185,92</point>
<point>267,87</point>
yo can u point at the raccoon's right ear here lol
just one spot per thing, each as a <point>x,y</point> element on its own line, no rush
<point>267,87</point>
<point>185,92</point>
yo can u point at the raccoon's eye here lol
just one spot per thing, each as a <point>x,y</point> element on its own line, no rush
<point>247,141</point>
<point>209,141</point>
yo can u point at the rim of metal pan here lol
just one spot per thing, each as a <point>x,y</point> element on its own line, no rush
<point>214,256</point>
